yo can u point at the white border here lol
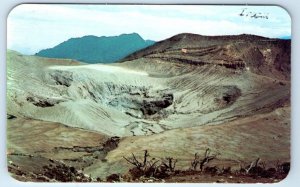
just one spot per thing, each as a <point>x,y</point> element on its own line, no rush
<point>292,6</point>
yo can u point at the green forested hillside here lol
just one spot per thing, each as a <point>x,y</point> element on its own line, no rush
<point>93,49</point>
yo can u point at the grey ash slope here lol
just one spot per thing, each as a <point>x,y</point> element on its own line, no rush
<point>180,86</point>
<point>175,98</point>
<point>93,49</point>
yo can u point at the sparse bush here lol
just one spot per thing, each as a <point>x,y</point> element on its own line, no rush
<point>256,169</point>
<point>151,167</point>
<point>148,167</point>
<point>253,167</point>
<point>202,162</point>
<point>169,163</point>
<point>144,167</point>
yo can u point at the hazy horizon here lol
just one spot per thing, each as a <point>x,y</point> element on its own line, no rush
<point>283,37</point>
<point>42,26</point>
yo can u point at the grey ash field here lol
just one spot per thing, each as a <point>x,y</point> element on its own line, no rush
<point>69,121</point>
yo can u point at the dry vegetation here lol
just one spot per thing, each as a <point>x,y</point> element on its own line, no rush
<point>149,169</point>
<point>187,109</point>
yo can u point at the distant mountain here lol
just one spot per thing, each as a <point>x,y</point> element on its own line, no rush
<point>93,49</point>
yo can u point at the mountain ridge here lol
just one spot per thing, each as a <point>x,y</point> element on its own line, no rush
<point>250,52</point>
<point>95,49</point>
<point>200,41</point>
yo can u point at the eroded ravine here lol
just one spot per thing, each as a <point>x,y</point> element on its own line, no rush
<point>124,101</point>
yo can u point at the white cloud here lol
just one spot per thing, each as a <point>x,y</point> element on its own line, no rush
<point>35,27</point>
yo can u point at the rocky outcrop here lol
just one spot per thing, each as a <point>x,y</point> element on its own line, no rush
<point>185,81</point>
<point>61,77</point>
<point>42,102</point>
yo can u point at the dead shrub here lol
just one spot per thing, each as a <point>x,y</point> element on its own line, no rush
<point>147,167</point>
<point>202,161</point>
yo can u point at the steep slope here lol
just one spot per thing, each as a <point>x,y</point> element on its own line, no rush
<point>263,56</point>
<point>224,94</point>
<point>140,97</point>
<point>79,96</point>
<point>93,49</point>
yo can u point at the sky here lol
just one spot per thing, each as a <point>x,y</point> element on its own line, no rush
<point>33,27</point>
